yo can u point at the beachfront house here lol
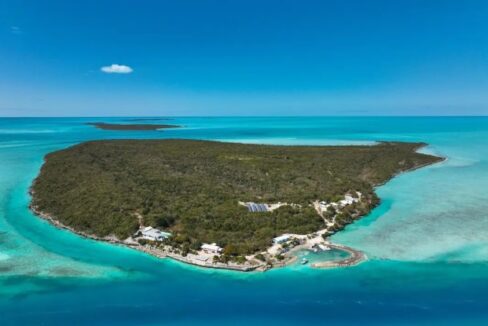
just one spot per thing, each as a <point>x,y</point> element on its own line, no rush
<point>150,233</point>
<point>281,239</point>
<point>211,248</point>
<point>255,207</point>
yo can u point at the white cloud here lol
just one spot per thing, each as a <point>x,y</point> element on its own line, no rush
<point>117,69</point>
<point>15,30</point>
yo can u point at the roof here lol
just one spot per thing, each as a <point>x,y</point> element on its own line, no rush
<point>155,233</point>
<point>282,237</point>
<point>255,207</point>
<point>211,246</point>
<point>152,233</point>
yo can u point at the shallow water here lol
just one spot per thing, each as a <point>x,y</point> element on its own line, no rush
<point>427,242</point>
<point>320,256</point>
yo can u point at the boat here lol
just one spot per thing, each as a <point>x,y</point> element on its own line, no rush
<point>304,261</point>
<point>319,247</point>
<point>324,247</point>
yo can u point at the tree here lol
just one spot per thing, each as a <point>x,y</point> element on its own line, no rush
<point>231,250</point>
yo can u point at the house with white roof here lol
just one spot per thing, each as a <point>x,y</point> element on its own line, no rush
<point>150,233</point>
<point>211,248</point>
<point>348,200</point>
<point>281,239</point>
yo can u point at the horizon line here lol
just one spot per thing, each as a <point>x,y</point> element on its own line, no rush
<point>255,116</point>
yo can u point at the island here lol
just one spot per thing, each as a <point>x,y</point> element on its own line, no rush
<point>130,127</point>
<point>216,204</point>
<point>147,119</point>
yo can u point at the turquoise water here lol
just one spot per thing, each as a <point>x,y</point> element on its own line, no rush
<point>320,256</point>
<point>427,242</point>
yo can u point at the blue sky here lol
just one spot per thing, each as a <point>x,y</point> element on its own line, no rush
<point>200,57</point>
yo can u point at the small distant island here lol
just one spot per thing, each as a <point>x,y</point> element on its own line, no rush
<point>147,119</point>
<point>219,205</point>
<point>130,127</point>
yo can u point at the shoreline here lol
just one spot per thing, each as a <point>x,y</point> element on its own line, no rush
<point>355,256</point>
<point>441,159</point>
<point>158,253</point>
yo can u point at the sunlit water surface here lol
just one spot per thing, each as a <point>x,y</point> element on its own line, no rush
<point>427,242</point>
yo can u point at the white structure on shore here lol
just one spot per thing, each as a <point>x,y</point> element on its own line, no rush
<point>211,248</point>
<point>281,238</point>
<point>348,200</point>
<point>150,233</point>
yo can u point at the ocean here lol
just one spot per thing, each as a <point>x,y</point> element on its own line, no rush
<point>427,242</point>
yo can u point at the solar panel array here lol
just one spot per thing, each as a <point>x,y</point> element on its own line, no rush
<point>254,207</point>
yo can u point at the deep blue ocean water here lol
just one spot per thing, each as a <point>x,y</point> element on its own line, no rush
<point>427,242</point>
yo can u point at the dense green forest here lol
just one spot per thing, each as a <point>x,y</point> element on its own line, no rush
<point>192,188</point>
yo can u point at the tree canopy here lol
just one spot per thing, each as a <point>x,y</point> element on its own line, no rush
<point>192,188</point>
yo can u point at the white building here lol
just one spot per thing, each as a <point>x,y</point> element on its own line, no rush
<point>281,238</point>
<point>348,200</point>
<point>150,233</point>
<point>211,248</point>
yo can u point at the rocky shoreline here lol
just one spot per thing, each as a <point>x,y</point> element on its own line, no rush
<point>355,258</point>
<point>159,253</point>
